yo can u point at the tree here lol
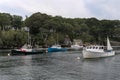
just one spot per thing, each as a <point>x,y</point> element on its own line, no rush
<point>35,22</point>
<point>5,21</point>
<point>17,22</point>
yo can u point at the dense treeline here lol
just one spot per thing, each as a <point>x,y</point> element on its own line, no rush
<point>46,29</point>
<point>11,33</point>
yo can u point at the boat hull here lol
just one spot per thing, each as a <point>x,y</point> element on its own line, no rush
<point>17,52</point>
<point>56,49</point>
<point>90,54</point>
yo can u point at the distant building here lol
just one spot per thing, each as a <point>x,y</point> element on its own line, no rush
<point>77,41</point>
<point>67,40</point>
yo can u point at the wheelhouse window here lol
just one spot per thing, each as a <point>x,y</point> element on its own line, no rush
<point>96,47</point>
<point>101,48</point>
<point>93,47</point>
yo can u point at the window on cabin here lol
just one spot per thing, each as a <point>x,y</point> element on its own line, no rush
<point>101,48</point>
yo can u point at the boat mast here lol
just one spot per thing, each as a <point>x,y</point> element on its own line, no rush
<point>28,35</point>
<point>29,38</point>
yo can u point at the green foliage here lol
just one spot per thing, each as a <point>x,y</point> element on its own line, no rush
<point>12,38</point>
<point>46,29</point>
<point>51,40</point>
<point>35,22</point>
<point>5,21</point>
<point>16,22</point>
<point>88,30</point>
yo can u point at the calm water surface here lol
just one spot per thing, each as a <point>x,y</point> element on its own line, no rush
<point>59,66</point>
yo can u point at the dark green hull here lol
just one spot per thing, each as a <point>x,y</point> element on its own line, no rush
<point>15,52</point>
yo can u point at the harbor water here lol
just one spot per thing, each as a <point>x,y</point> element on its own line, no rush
<point>67,65</point>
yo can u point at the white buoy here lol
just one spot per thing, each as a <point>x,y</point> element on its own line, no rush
<point>78,57</point>
<point>8,54</point>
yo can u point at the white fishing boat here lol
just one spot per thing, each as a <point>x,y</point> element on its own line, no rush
<point>96,51</point>
<point>76,46</point>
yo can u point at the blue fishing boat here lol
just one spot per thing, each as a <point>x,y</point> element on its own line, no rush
<point>56,48</point>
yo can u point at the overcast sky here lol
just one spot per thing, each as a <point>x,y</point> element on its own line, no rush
<point>101,9</point>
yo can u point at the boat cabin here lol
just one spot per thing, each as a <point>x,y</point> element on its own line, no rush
<point>95,48</point>
<point>56,46</point>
